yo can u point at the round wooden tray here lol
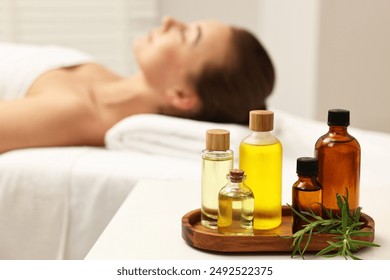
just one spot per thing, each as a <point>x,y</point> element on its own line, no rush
<point>200,237</point>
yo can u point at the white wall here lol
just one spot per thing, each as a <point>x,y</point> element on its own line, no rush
<point>330,54</point>
<point>354,61</point>
<point>290,29</point>
<point>240,12</point>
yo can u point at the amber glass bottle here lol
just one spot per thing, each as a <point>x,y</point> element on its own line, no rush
<point>306,191</point>
<point>338,155</point>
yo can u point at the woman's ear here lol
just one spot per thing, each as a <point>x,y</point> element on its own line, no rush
<point>185,100</point>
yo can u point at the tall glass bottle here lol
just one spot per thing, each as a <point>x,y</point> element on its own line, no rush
<point>261,159</point>
<point>338,156</point>
<point>217,160</point>
<point>306,191</point>
<point>236,203</point>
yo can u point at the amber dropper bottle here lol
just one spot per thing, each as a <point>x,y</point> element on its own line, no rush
<point>338,155</point>
<point>306,191</point>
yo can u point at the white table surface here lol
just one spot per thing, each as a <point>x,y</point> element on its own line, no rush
<point>148,225</point>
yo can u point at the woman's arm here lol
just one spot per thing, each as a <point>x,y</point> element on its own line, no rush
<point>42,122</point>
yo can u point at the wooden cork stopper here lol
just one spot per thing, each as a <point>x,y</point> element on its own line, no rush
<point>236,175</point>
<point>261,120</point>
<point>217,140</point>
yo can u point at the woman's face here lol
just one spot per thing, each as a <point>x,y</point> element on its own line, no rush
<point>170,53</point>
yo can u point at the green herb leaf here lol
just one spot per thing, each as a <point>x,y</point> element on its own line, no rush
<point>344,227</point>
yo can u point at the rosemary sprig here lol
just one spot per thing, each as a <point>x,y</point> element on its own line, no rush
<point>344,227</point>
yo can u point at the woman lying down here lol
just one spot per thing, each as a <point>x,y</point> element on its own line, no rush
<point>204,70</point>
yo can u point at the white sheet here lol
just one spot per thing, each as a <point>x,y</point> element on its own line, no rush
<point>34,200</point>
<point>21,64</point>
<point>55,202</point>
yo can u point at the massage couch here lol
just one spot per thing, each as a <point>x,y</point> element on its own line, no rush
<point>55,202</point>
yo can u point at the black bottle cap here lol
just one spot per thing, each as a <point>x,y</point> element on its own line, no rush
<point>307,166</point>
<point>338,117</point>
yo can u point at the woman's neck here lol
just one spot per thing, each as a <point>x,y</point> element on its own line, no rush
<point>128,89</point>
<point>122,97</point>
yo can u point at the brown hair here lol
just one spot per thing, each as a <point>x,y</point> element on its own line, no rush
<point>230,91</point>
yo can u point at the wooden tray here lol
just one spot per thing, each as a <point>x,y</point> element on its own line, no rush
<point>200,237</point>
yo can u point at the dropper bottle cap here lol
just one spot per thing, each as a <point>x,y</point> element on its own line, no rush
<point>261,120</point>
<point>217,140</point>
<point>307,166</point>
<point>338,117</point>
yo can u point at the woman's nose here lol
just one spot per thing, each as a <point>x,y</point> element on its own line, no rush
<point>168,22</point>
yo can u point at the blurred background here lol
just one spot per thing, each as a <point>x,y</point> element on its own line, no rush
<point>328,54</point>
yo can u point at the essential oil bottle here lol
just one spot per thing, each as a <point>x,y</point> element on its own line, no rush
<point>261,159</point>
<point>236,204</point>
<point>306,191</point>
<point>217,160</point>
<point>338,155</point>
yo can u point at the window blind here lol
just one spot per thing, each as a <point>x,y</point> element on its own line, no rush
<point>102,28</point>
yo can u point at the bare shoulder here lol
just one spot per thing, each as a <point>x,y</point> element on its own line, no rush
<point>70,80</point>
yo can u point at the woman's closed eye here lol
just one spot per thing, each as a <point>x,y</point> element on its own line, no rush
<point>198,35</point>
<point>190,34</point>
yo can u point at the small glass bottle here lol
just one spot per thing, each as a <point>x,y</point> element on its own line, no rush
<point>261,158</point>
<point>306,191</point>
<point>236,204</point>
<point>338,155</point>
<point>217,160</point>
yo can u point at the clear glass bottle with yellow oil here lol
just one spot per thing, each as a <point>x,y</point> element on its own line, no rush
<point>217,160</point>
<point>261,159</point>
<point>236,203</point>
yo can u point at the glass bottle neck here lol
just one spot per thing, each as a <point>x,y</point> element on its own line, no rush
<point>307,178</point>
<point>338,129</point>
<point>261,133</point>
<point>235,180</point>
<point>260,138</point>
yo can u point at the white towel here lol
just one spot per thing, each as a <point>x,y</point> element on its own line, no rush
<point>21,65</point>
<point>164,135</point>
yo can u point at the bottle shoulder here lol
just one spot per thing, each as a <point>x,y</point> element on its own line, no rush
<point>217,155</point>
<point>236,190</point>
<point>261,138</point>
<point>307,184</point>
<point>332,139</point>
